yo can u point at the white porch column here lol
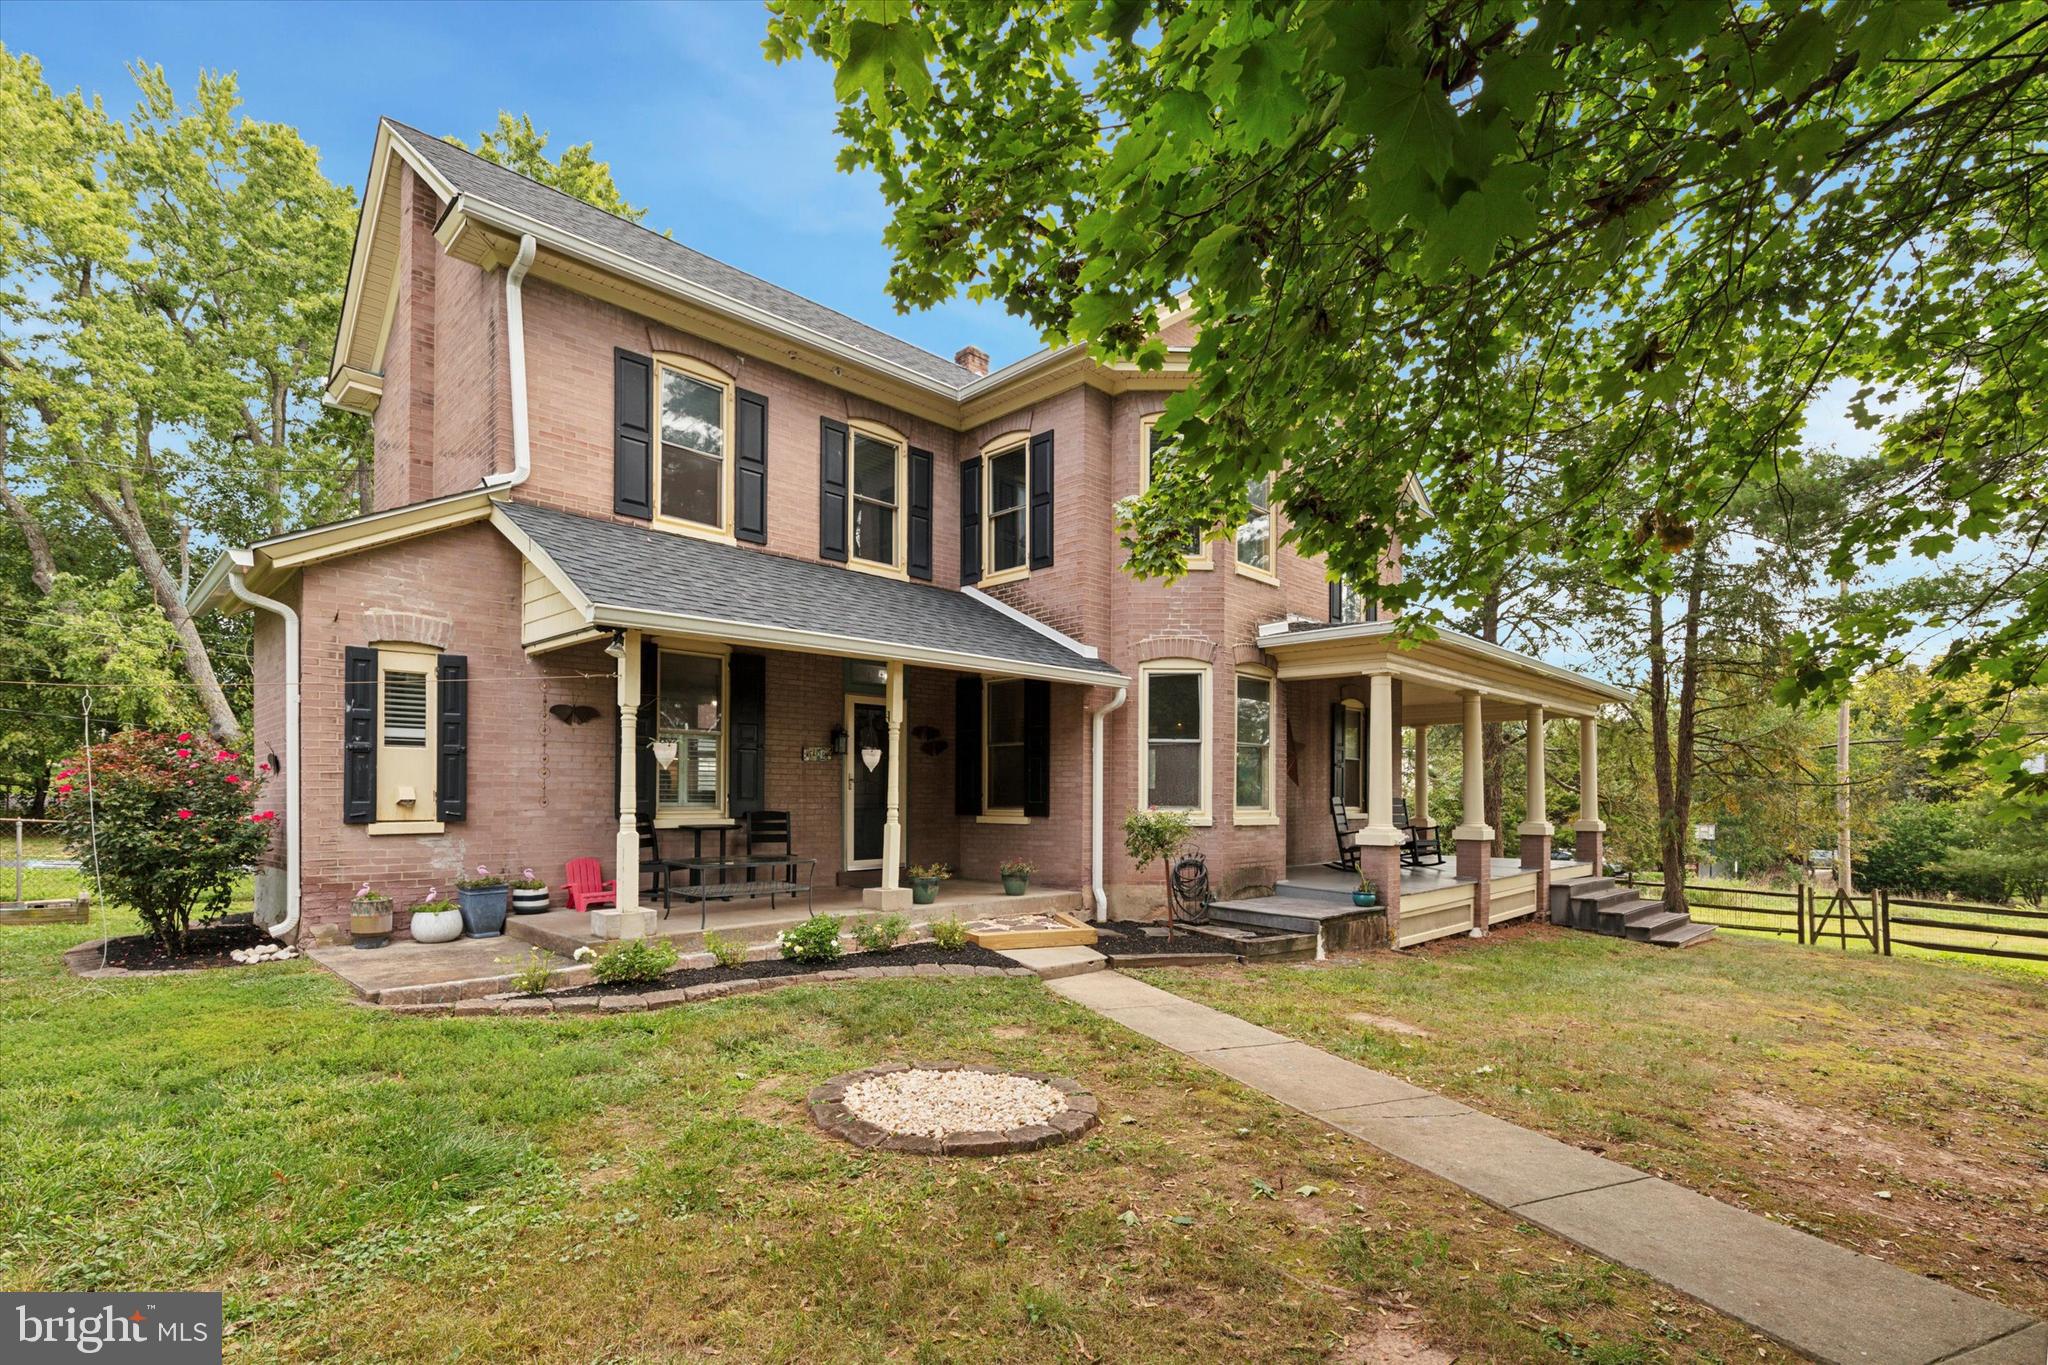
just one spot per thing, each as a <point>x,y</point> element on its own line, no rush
<point>627,919</point>
<point>1472,820</point>
<point>1384,747</point>
<point>1591,830</point>
<point>1536,819</point>
<point>1421,812</point>
<point>892,894</point>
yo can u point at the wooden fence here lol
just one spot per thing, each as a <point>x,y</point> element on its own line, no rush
<point>1825,916</point>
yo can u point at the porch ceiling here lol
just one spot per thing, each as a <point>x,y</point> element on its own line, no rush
<point>1435,673</point>
<point>598,575</point>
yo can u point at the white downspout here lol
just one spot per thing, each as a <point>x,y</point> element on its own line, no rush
<point>1095,864</point>
<point>515,348</point>
<point>285,927</point>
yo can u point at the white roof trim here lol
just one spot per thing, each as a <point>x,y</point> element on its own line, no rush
<point>1024,618</point>
<point>1275,635</point>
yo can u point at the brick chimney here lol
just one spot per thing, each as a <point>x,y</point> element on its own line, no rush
<point>972,359</point>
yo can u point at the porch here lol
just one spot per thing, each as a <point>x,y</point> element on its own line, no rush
<point>1435,902</point>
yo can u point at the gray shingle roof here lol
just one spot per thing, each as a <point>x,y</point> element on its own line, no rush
<point>471,174</point>
<point>617,565</point>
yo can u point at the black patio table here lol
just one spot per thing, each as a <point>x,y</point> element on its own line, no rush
<point>717,879</point>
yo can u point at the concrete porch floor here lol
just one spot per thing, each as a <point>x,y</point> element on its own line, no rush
<point>434,973</point>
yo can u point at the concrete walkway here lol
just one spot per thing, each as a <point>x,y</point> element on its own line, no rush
<point>1811,1295</point>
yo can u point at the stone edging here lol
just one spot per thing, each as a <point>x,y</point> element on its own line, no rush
<point>830,1113</point>
<point>708,990</point>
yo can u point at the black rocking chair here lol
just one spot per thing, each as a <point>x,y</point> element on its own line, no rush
<point>1422,842</point>
<point>1347,849</point>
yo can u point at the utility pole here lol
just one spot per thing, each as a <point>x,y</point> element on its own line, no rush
<point>1843,877</point>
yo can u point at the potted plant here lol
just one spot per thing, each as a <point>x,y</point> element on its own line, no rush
<point>924,882</point>
<point>436,920</point>
<point>1366,894</point>
<point>369,918</point>
<point>529,894</point>
<point>1016,875</point>
<point>483,903</point>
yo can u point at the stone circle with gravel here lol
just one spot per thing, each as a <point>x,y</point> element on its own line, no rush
<point>935,1108</point>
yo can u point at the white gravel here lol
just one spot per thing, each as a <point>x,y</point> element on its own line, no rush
<point>936,1103</point>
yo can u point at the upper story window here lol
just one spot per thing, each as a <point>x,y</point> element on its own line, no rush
<point>876,504</point>
<point>1006,513</point>
<point>1158,448</point>
<point>1255,537</point>
<point>694,475</point>
<point>1349,606</point>
<point>689,734</point>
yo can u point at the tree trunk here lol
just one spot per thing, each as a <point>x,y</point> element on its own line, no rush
<point>125,515</point>
<point>1672,757</point>
<point>42,565</point>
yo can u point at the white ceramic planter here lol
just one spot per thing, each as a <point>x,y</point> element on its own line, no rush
<point>437,926</point>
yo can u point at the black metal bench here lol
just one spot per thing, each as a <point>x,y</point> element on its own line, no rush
<point>713,880</point>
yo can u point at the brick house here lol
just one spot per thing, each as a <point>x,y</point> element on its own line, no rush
<point>656,544</point>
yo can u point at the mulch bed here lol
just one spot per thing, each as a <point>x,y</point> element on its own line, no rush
<point>206,946</point>
<point>1129,936</point>
<point>913,955</point>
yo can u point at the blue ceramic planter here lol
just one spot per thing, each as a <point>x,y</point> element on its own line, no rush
<point>483,910</point>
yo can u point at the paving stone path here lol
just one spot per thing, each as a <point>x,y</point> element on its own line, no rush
<point>1828,1302</point>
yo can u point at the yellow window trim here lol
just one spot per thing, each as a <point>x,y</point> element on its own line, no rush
<point>1150,420</point>
<point>898,566</point>
<point>1271,575</point>
<point>1003,445</point>
<point>395,761</point>
<point>406,827</point>
<point>674,817</point>
<point>698,370</point>
<point>1002,817</point>
<point>1203,813</point>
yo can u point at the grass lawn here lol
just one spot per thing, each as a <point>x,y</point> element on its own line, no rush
<point>370,1187</point>
<point>1896,1106</point>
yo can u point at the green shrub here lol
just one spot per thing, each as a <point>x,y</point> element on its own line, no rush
<point>949,933</point>
<point>535,974</point>
<point>638,959</point>
<point>726,952</point>
<point>173,821</point>
<point>881,934</point>
<point>815,940</point>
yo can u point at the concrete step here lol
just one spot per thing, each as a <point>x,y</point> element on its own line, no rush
<point>1279,914</point>
<point>1052,964</point>
<point>1334,895</point>
<point>1646,927</point>
<point>1687,935</point>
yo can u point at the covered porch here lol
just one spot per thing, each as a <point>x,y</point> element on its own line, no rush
<point>1388,699</point>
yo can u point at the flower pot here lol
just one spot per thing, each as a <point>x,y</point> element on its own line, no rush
<point>1365,900</point>
<point>436,926</point>
<point>924,890</point>
<point>529,900</point>
<point>1015,886</point>
<point>483,910</point>
<point>369,923</point>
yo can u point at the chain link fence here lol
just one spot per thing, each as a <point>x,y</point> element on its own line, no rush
<point>40,882</point>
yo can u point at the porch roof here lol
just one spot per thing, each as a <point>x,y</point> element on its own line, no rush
<point>1435,672</point>
<point>612,575</point>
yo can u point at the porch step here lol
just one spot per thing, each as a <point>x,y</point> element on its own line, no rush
<point>1287,888</point>
<point>1598,905</point>
<point>1644,927</point>
<point>1686,935</point>
<point>1051,964</point>
<point>1280,913</point>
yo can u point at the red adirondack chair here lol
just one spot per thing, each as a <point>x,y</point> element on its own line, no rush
<point>587,886</point>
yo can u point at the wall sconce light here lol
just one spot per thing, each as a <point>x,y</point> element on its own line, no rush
<point>616,646</point>
<point>839,741</point>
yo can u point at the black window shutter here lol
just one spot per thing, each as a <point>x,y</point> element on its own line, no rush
<point>747,715</point>
<point>451,759</point>
<point>831,489</point>
<point>1037,747</point>
<point>1336,599</point>
<point>967,753</point>
<point>1041,500</point>
<point>644,774</point>
<point>970,522</point>
<point>632,435</point>
<point>1337,748</point>
<point>358,735</point>
<point>919,557</point>
<point>750,469</point>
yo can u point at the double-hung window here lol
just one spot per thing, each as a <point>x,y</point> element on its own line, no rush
<point>1353,607</point>
<point>1254,744</point>
<point>1003,765</point>
<point>1008,512</point>
<point>1157,450</point>
<point>875,506</point>
<point>1351,755</point>
<point>1174,720</point>
<point>1255,536</point>
<point>689,734</point>
<point>696,420</point>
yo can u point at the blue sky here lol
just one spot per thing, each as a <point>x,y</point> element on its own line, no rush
<point>730,153</point>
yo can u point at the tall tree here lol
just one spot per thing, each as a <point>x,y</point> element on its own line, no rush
<point>175,288</point>
<point>517,145</point>
<point>1689,215</point>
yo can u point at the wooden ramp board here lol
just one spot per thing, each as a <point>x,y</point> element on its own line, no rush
<point>1054,929</point>
<point>76,911</point>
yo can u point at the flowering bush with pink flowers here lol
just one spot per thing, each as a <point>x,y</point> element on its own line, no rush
<point>178,824</point>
